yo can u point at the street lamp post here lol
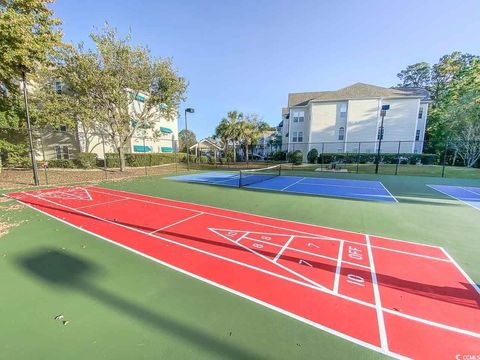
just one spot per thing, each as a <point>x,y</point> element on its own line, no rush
<point>29,130</point>
<point>383,113</point>
<point>191,111</point>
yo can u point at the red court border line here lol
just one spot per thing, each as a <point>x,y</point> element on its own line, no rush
<point>373,347</point>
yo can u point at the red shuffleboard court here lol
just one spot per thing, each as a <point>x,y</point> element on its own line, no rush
<point>396,297</point>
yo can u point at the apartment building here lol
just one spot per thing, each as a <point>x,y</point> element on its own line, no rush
<point>349,120</point>
<point>160,136</point>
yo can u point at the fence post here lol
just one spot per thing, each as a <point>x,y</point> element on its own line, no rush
<point>358,155</point>
<point>44,164</point>
<point>322,157</point>
<point>144,156</point>
<point>398,158</point>
<point>444,158</point>
<point>104,157</point>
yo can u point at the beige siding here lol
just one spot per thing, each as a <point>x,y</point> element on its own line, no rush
<point>362,124</point>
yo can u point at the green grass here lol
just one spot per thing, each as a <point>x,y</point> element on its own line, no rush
<point>127,307</point>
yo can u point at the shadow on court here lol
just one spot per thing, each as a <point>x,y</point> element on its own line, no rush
<point>67,271</point>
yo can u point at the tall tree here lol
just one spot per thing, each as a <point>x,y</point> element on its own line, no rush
<point>232,126</point>
<point>250,130</point>
<point>131,88</point>
<point>186,138</point>
<point>416,75</point>
<point>463,118</point>
<point>29,37</point>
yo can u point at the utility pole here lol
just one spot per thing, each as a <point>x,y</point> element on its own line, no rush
<point>383,113</point>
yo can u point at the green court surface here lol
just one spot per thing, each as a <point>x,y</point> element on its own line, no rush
<point>127,307</point>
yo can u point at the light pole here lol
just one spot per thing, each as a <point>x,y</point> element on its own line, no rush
<point>383,113</point>
<point>191,111</point>
<point>29,130</point>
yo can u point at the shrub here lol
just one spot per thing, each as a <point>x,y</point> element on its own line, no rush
<point>312,156</point>
<point>152,159</point>
<point>296,157</point>
<point>429,159</point>
<point>61,163</point>
<point>223,160</point>
<point>279,155</point>
<point>85,160</point>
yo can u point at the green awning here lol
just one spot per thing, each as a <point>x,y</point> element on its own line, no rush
<point>167,149</point>
<point>166,130</point>
<point>141,148</point>
<point>134,123</point>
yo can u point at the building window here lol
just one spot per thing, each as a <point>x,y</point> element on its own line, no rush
<point>300,136</point>
<point>417,135</point>
<point>295,136</point>
<point>420,112</point>
<point>298,116</point>
<point>380,133</point>
<point>62,152</point>
<point>341,133</point>
<point>58,87</point>
<point>343,110</point>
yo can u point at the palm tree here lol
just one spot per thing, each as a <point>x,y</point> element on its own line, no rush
<point>228,130</point>
<point>250,129</point>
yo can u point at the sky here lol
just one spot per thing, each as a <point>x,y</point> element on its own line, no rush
<point>247,55</point>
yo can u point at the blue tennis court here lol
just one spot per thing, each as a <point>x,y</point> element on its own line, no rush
<point>467,194</point>
<point>351,189</point>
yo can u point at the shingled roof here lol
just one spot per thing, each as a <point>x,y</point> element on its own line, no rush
<point>355,91</point>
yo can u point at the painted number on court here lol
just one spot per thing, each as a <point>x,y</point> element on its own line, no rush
<point>356,279</point>
<point>355,253</point>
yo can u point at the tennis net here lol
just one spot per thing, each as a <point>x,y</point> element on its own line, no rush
<point>253,176</point>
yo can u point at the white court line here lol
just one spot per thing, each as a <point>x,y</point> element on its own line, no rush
<point>286,187</point>
<point>336,283</point>
<point>284,247</point>
<point>99,204</point>
<point>282,228</point>
<point>468,278</point>
<point>229,260</point>
<point>266,217</point>
<point>473,192</point>
<point>314,286</point>
<point>433,323</point>
<point>451,196</point>
<point>311,253</point>
<point>393,197</point>
<point>316,237</point>
<point>336,185</point>
<point>178,222</point>
<point>378,302</point>
<point>223,287</point>
<point>241,237</point>
<point>305,278</point>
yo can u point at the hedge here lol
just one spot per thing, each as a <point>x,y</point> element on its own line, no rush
<point>278,156</point>
<point>385,158</point>
<point>138,160</point>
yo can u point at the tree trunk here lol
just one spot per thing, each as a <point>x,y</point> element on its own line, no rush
<point>246,152</point>
<point>121,155</point>
<point>234,152</point>
<point>454,158</point>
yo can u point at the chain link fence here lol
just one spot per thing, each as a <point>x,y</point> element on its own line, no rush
<point>65,156</point>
